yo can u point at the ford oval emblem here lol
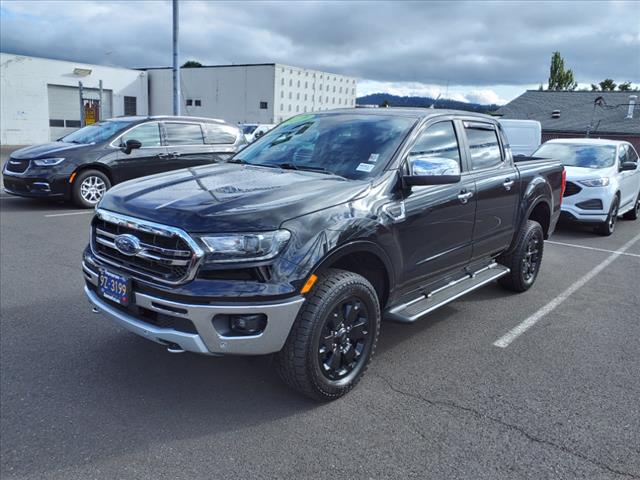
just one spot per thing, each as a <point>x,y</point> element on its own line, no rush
<point>127,244</point>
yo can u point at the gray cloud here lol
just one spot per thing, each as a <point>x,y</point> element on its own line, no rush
<point>475,44</point>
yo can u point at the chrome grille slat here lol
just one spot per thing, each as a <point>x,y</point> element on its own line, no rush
<point>167,255</point>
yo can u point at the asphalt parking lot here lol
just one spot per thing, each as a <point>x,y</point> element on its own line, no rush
<point>460,394</point>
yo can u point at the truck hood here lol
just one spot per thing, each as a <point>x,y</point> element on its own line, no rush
<point>45,150</point>
<point>229,197</point>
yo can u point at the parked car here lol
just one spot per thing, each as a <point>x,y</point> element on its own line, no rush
<point>83,165</point>
<point>261,130</point>
<point>247,131</point>
<point>524,136</point>
<point>303,241</point>
<point>603,180</point>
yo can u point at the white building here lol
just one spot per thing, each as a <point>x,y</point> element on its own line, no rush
<point>255,93</point>
<point>40,99</point>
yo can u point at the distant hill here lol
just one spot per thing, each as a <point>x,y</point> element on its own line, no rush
<point>396,101</point>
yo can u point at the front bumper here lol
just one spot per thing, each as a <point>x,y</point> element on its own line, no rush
<point>206,339</point>
<point>573,205</point>
<point>36,184</point>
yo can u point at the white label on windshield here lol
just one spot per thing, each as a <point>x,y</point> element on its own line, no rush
<point>373,158</point>
<point>365,167</point>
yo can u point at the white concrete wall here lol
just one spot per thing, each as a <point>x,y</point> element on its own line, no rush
<point>231,93</point>
<point>24,109</point>
<point>300,90</point>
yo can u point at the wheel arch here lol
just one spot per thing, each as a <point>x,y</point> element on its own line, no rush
<point>364,258</point>
<point>93,166</point>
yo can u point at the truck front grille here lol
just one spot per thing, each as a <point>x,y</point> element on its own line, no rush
<point>17,166</point>
<point>165,254</point>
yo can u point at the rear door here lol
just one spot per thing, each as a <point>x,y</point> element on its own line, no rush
<point>497,183</point>
<point>185,145</point>
<point>222,140</point>
<point>435,235</point>
<point>149,159</point>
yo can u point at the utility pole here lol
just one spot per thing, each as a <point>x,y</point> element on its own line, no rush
<point>176,62</point>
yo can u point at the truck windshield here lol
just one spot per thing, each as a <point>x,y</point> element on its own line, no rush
<point>354,146</point>
<point>96,133</point>
<point>585,156</point>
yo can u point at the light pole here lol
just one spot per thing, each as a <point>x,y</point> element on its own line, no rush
<point>176,65</point>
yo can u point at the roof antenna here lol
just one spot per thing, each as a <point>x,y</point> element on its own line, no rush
<point>597,102</point>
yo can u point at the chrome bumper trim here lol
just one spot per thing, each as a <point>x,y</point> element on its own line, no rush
<point>280,318</point>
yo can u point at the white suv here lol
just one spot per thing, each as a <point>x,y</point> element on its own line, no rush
<point>603,180</point>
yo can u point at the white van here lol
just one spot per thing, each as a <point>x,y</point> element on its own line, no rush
<point>524,136</point>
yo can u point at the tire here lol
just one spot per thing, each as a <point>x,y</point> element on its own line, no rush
<point>89,187</point>
<point>634,213</point>
<point>325,335</point>
<point>607,227</point>
<point>525,259</point>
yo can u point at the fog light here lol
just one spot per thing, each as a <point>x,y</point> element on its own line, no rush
<point>247,324</point>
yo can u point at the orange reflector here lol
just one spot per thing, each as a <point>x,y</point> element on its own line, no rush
<point>73,175</point>
<point>309,285</point>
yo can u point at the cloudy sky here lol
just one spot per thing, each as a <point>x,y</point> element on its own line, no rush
<point>476,51</point>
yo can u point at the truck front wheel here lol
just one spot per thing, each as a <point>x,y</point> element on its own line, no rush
<point>333,338</point>
<point>524,260</point>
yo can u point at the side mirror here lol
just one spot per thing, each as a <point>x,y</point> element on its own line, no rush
<point>131,145</point>
<point>258,134</point>
<point>627,166</point>
<point>432,171</point>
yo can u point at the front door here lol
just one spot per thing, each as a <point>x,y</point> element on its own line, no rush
<point>149,159</point>
<point>629,179</point>
<point>497,189</point>
<point>435,235</point>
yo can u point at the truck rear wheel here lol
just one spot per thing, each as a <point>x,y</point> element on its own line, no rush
<point>524,260</point>
<point>333,338</point>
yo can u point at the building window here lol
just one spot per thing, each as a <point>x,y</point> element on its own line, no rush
<point>353,91</point>
<point>305,109</point>
<point>306,84</point>
<point>297,108</point>
<point>298,96</point>
<point>130,106</point>
<point>72,123</point>
<point>334,89</point>
<point>282,81</point>
<point>298,83</point>
<point>189,102</point>
<point>327,100</point>
<point>263,105</point>
<point>340,90</point>
<point>198,103</point>
<point>290,95</point>
<point>56,123</point>
<point>327,88</point>
<point>305,97</point>
<point>290,83</point>
<point>289,107</point>
<point>281,93</point>
<point>281,106</point>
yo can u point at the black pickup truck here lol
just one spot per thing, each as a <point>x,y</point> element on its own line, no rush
<point>307,238</point>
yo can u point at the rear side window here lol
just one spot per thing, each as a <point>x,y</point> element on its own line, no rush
<point>148,134</point>
<point>438,140</point>
<point>483,146</point>
<point>219,134</point>
<point>184,134</point>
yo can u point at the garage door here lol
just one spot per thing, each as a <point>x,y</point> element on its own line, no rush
<point>64,108</point>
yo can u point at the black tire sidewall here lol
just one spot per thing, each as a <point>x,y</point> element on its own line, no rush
<point>367,296</point>
<point>81,177</point>
<point>533,229</point>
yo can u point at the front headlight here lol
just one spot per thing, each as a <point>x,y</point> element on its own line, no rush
<point>48,162</point>
<point>595,182</point>
<point>239,247</point>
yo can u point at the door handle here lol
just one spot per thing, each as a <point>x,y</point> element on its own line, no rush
<point>163,155</point>
<point>508,183</point>
<point>175,154</point>
<point>465,196</point>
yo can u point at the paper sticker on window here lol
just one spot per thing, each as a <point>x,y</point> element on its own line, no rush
<point>365,167</point>
<point>373,158</point>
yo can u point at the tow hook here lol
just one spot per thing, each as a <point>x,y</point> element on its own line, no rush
<point>95,309</point>
<point>174,348</point>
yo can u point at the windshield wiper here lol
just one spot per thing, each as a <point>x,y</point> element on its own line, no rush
<point>239,161</point>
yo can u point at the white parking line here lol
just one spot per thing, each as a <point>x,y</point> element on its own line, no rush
<point>515,332</point>
<point>593,248</point>
<point>68,213</point>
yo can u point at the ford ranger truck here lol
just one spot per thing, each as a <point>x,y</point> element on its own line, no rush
<point>306,239</point>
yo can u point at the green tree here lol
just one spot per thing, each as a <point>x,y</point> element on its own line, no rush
<point>607,85</point>
<point>385,103</point>
<point>594,87</point>
<point>191,64</point>
<point>624,87</point>
<point>559,78</point>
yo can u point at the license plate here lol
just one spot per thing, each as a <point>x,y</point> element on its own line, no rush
<point>114,287</point>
